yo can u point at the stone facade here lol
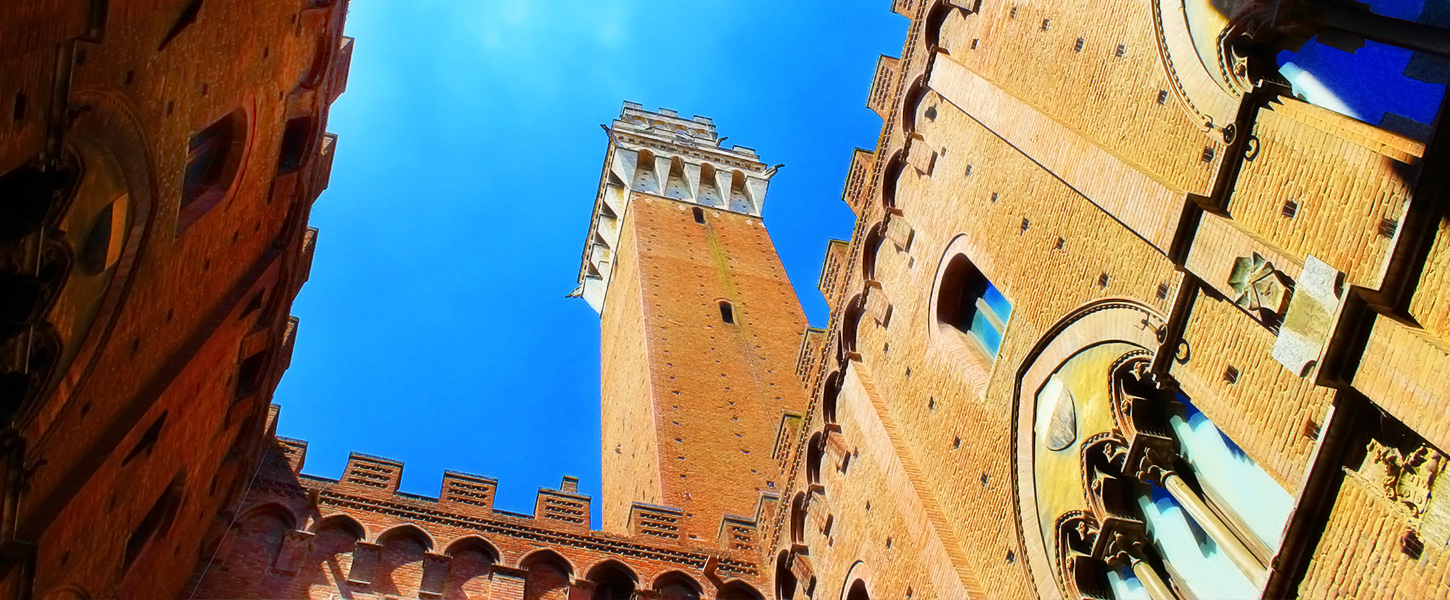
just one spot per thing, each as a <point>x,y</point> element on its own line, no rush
<point>157,167</point>
<point>1174,248</point>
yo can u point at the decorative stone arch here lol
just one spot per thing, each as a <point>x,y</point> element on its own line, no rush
<point>785,580</point>
<point>910,101</point>
<point>859,572</point>
<point>547,555</point>
<point>271,508</point>
<point>798,506</point>
<point>613,580</point>
<point>676,585</point>
<point>342,521</point>
<point>410,530</point>
<point>815,455</point>
<point>891,178</point>
<point>830,398</point>
<point>875,236</point>
<point>1095,323</point>
<point>1196,49</point>
<point>109,132</point>
<point>936,15</point>
<point>476,543</point>
<point>850,324</point>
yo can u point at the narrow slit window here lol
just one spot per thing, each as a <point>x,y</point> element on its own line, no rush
<point>699,215</point>
<point>727,312</point>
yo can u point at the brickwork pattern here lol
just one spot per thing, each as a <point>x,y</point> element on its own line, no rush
<point>718,389</point>
<point>1360,556</point>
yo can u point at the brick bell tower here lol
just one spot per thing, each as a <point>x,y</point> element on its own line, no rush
<point>699,325</point>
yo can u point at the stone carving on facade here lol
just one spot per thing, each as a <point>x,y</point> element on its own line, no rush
<point>1407,478</point>
<point>1259,287</point>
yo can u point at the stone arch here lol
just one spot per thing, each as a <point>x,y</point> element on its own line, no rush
<point>815,455</point>
<point>869,249</point>
<point>850,324</point>
<point>675,585</point>
<point>471,561</point>
<point>343,522</point>
<point>936,15</point>
<point>107,133</point>
<point>830,398</point>
<point>409,530</point>
<point>283,513</point>
<point>915,93</point>
<point>798,518</point>
<point>785,581</point>
<point>400,562</point>
<point>1207,77</point>
<point>859,572</point>
<point>1096,323</point>
<point>549,575</point>
<point>891,178</point>
<point>858,591</point>
<point>613,580</point>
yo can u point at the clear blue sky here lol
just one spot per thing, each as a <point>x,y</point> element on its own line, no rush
<point>434,329</point>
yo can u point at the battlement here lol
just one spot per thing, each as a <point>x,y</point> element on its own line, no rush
<point>372,481</point>
<point>663,154</point>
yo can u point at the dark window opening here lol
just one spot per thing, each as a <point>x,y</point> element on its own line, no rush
<point>1078,46</point>
<point>147,441</point>
<point>1231,375</point>
<point>1162,291</point>
<point>727,312</point>
<point>1162,96</point>
<point>156,523</point>
<point>17,112</point>
<point>612,582</point>
<point>969,303</point>
<point>699,215</point>
<point>295,140</point>
<point>1290,209</point>
<point>214,155</point>
<point>815,455</point>
<point>249,375</point>
<point>1388,227</point>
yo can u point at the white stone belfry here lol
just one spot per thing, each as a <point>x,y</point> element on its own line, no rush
<point>645,148</point>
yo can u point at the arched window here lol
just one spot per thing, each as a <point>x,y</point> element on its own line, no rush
<point>212,162</point>
<point>858,591</point>
<point>970,304</point>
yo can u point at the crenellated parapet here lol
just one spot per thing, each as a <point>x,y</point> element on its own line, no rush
<point>359,533</point>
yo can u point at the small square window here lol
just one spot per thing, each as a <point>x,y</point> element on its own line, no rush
<point>1162,96</point>
<point>1078,46</point>
<point>1122,50</point>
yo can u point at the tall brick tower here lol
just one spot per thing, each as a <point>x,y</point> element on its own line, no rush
<point>699,325</point>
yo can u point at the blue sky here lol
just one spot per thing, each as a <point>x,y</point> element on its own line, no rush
<point>434,329</point>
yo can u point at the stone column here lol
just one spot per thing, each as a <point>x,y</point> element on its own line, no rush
<point>1237,552</point>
